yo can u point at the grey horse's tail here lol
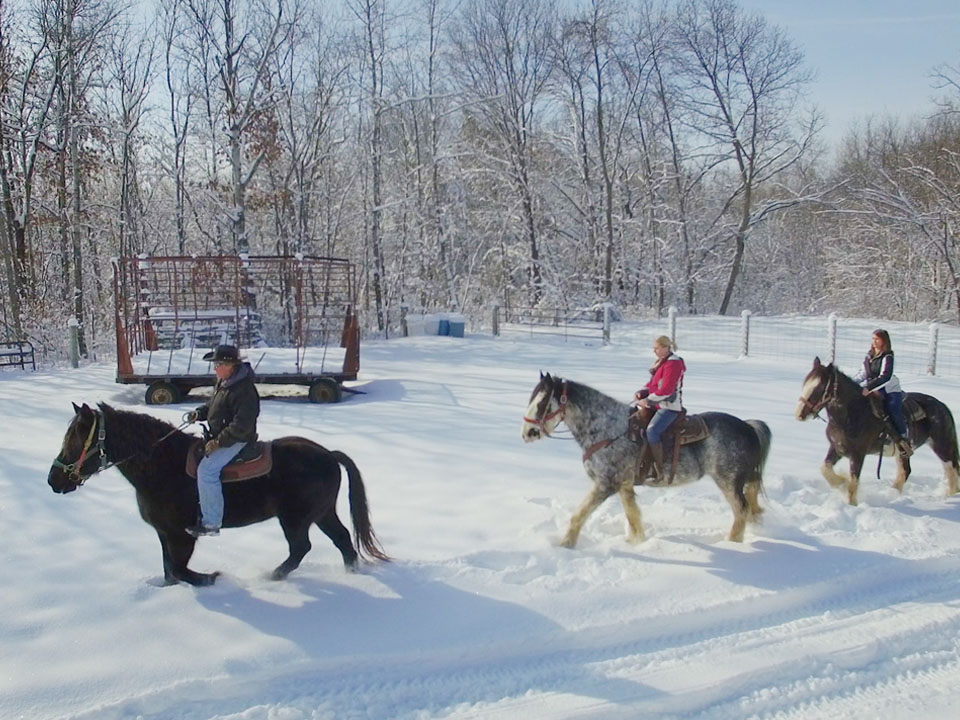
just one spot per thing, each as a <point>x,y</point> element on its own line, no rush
<point>765,436</point>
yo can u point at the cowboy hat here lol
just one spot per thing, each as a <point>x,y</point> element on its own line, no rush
<point>223,353</point>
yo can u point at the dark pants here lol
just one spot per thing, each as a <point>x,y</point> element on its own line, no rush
<point>893,404</point>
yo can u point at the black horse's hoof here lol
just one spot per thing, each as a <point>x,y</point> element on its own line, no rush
<point>279,574</point>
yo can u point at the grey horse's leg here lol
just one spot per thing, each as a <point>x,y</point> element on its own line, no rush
<point>593,500</point>
<point>628,498</point>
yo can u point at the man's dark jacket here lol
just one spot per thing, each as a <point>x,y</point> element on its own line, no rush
<point>232,411</point>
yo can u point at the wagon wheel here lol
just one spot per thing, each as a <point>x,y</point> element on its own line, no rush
<point>325,390</point>
<point>163,393</point>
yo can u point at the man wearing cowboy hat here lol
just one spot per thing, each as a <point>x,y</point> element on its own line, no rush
<point>232,415</point>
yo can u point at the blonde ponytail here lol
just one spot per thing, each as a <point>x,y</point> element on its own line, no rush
<point>664,341</point>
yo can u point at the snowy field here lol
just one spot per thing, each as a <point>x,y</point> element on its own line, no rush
<point>826,611</point>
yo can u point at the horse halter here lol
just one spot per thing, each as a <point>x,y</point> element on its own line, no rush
<point>828,396</point>
<point>546,417</point>
<point>75,469</point>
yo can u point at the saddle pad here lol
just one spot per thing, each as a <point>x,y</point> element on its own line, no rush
<point>694,430</point>
<point>236,470</point>
<point>912,410</point>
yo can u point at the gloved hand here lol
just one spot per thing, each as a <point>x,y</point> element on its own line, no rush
<point>211,447</point>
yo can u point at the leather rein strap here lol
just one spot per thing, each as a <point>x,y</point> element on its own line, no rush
<point>546,417</point>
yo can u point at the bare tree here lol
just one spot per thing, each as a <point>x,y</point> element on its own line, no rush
<point>743,82</point>
<point>26,94</point>
<point>237,42</point>
<point>502,66</point>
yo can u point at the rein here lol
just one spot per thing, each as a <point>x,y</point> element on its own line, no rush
<point>826,399</point>
<point>75,469</point>
<point>561,411</point>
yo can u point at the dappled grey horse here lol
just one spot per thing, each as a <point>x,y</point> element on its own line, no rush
<point>733,453</point>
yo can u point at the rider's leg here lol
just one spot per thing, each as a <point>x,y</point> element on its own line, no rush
<point>658,425</point>
<point>208,484</point>
<point>893,404</point>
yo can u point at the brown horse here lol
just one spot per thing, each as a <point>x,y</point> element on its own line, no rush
<point>854,431</point>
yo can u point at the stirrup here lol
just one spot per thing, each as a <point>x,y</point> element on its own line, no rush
<point>905,447</point>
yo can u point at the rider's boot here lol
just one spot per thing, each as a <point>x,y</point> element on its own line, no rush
<point>656,454</point>
<point>900,442</point>
<point>643,463</point>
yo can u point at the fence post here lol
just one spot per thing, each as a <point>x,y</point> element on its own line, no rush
<point>932,349</point>
<point>496,319</point>
<point>74,327</point>
<point>672,324</point>
<point>606,323</point>
<point>832,336</point>
<point>745,333</point>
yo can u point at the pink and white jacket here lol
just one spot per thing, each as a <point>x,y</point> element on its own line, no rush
<point>666,385</point>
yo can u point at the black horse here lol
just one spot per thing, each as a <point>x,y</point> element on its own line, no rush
<point>854,431</point>
<point>300,490</point>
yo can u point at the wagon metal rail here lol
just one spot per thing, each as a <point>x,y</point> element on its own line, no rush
<point>292,316</point>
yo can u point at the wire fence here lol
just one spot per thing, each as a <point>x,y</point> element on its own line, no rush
<point>921,348</point>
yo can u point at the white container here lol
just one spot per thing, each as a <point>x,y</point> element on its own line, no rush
<point>431,324</point>
<point>415,325</point>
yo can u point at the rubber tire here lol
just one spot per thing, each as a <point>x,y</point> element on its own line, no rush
<point>325,391</point>
<point>163,393</point>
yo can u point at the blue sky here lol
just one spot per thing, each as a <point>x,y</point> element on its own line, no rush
<point>871,56</point>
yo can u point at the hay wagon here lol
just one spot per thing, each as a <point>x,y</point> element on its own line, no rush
<point>293,317</point>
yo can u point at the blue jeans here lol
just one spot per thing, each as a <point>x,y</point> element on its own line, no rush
<point>658,425</point>
<point>208,484</point>
<point>893,404</point>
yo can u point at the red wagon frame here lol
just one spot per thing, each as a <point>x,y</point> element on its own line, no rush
<point>298,310</point>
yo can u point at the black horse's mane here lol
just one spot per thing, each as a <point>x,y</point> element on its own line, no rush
<point>133,434</point>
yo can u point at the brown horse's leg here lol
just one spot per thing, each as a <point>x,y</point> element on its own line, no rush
<point>593,500</point>
<point>829,474</point>
<point>903,470</point>
<point>953,483</point>
<point>856,465</point>
<point>628,498</point>
<point>335,530</point>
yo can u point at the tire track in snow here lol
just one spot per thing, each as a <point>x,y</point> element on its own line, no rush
<point>774,655</point>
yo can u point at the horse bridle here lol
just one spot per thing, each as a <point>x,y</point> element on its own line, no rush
<point>828,396</point>
<point>75,469</point>
<point>547,417</point>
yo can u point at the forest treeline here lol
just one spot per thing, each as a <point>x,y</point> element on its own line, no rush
<point>462,153</point>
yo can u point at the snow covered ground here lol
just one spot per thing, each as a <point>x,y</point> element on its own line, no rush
<point>826,611</point>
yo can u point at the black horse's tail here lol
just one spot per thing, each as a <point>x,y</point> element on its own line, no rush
<point>364,537</point>
<point>765,436</point>
<point>951,434</point>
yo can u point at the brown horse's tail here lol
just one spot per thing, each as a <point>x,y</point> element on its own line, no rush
<point>364,537</point>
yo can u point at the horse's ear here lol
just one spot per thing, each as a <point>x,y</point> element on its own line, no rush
<point>541,374</point>
<point>76,409</point>
<point>816,362</point>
